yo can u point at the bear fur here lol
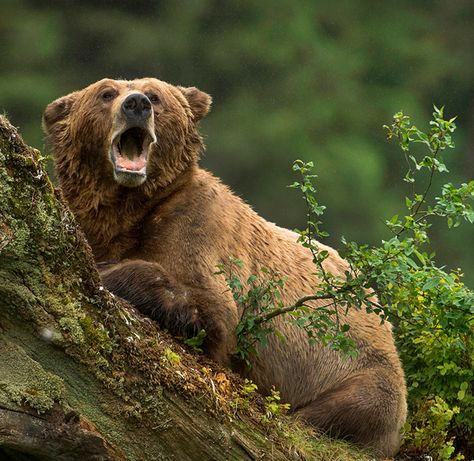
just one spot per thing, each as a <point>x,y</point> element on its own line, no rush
<point>158,226</point>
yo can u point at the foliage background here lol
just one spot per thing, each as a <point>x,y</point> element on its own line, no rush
<point>290,79</point>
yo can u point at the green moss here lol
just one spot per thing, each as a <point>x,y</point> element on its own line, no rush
<point>73,329</point>
<point>24,381</point>
<point>16,232</point>
<point>319,447</point>
<point>15,298</point>
<point>96,335</point>
<point>303,442</point>
<point>23,180</point>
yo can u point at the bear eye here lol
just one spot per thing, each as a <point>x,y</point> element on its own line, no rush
<point>108,95</point>
<point>153,97</point>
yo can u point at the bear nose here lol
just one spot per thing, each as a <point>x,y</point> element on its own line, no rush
<point>136,107</point>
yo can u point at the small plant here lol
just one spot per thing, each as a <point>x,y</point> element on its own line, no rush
<point>260,298</point>
<point>243,397</point>
<point>172,358</point>
<point>196,341</point>
<point>427,431</point>
<point>273,408</point>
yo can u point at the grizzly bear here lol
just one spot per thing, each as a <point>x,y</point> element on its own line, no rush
<point>126,154</point>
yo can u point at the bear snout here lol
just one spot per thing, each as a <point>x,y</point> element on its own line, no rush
<point>136,108</point>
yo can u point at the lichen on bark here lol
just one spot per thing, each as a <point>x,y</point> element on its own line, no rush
<point>24,381</point>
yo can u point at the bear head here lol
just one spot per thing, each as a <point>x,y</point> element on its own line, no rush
<point>126,133</point>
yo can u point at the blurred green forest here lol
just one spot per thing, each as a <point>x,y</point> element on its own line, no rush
<point>290,79</point>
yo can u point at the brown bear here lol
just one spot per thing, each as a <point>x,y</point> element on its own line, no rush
<point>126,154</point>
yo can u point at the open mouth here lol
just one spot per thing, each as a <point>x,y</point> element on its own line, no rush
<point>129,154</point>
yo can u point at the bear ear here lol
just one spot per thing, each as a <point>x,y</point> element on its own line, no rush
<point>199,102</point>
<point>58,110</point>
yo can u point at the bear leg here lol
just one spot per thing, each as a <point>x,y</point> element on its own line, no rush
<point>366,408</point>
<point>183,310</point>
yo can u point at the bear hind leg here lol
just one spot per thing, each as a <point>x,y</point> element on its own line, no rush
<point>366,408</point>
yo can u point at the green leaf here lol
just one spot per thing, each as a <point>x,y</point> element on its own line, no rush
<point>430,283</point>
<point>196,341</point>
<point>421,259</point>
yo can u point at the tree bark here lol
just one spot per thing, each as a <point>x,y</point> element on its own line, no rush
<point>82,374</point>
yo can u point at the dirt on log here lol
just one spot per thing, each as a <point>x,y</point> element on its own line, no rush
<point>84,376</point>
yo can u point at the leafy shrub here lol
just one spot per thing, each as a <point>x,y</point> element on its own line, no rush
<point>427,431</point>
<point>431,308</point>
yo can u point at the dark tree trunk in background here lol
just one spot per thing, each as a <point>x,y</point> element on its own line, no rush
<point>82,375</point>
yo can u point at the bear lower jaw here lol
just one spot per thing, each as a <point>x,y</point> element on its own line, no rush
<point>128,178</point>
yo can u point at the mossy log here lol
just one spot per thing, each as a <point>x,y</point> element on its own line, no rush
<point>83,375</point>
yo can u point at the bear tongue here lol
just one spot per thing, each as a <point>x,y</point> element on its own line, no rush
<point>135,164</point>
<point>129,156</point>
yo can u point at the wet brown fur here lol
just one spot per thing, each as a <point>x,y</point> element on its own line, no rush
<point>161,242</point>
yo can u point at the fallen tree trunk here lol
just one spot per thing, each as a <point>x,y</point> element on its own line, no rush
<point>82,374</point>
